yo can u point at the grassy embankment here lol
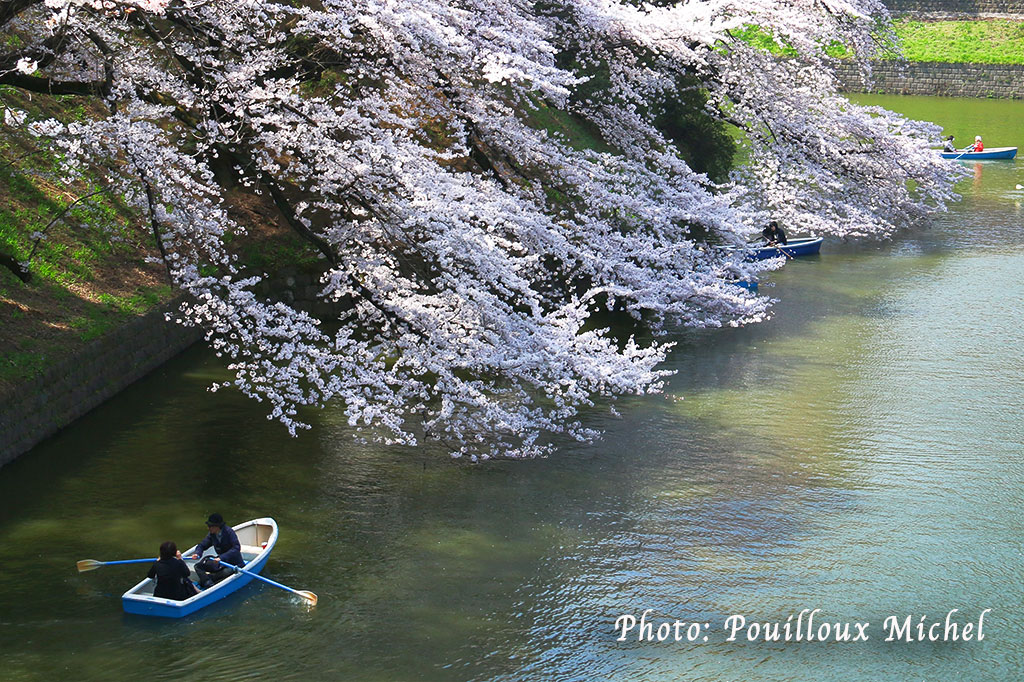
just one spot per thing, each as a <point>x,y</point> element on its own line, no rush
<point>980,41</point>
<point>86,258</point>
<point>983,41</point>
<point>90,257</point>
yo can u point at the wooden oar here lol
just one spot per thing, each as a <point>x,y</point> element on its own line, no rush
<point>305,594</point>
<point>781,248</point>
<point>778,247</point>
<point>91,564</point>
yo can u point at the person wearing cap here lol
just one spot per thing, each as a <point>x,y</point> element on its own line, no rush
<point>977,146</point>
<point>227,548</point>
<point>773,234</point>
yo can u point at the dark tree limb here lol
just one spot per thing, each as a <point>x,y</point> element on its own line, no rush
<point>284,206</point>
<point>12,264</point>
<point>155,224</point>
<point>48,86</point>
<point>12,8</point>
<point>61,215</point>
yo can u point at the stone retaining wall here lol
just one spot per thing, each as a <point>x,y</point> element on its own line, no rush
<point>42,406</point>
<point>1002,81</point>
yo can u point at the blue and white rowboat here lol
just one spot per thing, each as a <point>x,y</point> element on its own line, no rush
<point>804,246</point>
<point>992,153</point>
<point>257,538</point>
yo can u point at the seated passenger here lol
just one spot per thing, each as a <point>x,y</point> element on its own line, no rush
<point>948,146</point>
<point>172,575</point>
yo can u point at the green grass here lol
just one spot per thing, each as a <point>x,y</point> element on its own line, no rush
<point>19,365</point>
<point>759,38</point>
<point>72,246</point>
<point>982,41</point>
<point>74,241</point>
<point>288,250</point>
<point>83,270</point>
<point>991,41</point>
<point>113,311</point>
<point>575,132</point>
<point>756,36</point>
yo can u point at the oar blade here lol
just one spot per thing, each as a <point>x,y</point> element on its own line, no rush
<point>88,565</point>
<point>310,598</point>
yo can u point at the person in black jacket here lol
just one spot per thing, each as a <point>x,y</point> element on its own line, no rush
<point>172,575</point>
<point>773,234</point>
<point>228,550</point>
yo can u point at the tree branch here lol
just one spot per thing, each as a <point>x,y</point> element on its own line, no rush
<point>12,264</point>
<point>12,8</point>
<point>48,86</point>
<point>58,217</point>
<point>154,223</point>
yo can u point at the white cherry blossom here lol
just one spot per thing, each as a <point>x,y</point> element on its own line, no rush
<point>470,248</point>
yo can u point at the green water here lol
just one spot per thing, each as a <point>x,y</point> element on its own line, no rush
<point>860,453</point>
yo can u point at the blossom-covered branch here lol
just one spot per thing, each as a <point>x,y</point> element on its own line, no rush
<point>472,246</point>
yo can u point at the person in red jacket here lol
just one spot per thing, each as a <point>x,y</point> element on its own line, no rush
<point>978,146</point>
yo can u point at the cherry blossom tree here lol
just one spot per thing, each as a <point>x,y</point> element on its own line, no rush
<point>470,249</point>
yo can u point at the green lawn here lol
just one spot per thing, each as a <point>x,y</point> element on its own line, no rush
<point>984,41</point>
<point>981,41</point>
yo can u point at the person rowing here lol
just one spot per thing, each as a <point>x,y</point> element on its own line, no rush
<point>773,234</point>
<point>227,547</point>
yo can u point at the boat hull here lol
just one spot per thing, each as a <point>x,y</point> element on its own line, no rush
<point>140,600</point>
<point>795,248</point>
<point>987,154</point>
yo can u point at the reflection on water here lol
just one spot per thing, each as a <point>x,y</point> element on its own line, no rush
<point>859,453</point>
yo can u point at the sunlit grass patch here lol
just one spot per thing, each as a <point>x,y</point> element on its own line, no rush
<point>990,41</point>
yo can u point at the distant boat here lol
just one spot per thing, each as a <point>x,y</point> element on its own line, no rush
<point>257,538</point>
<point>804,246</point>
<point>991,153</point>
